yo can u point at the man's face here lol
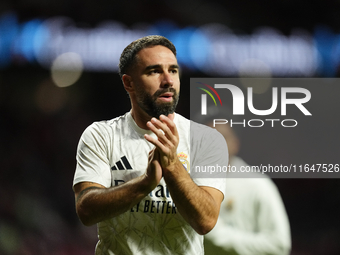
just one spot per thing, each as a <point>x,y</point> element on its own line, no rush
<point>155,80</point>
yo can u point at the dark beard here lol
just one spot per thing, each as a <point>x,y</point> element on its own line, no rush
<point>149,103</point>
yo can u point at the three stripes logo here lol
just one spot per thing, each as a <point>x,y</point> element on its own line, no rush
<point>204,97</point>
<point>122,164</point>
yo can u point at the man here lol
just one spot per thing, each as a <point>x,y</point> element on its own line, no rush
<point>132,176</point>
<point>253,220</point>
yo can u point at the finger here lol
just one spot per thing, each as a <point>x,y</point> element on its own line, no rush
<point>155,142</point>
<point>168,127</point>
<point>170,124</point>
<point>156,154</point>
<point>163,128</point>
<point>171,129</point>
<point>162,132</point>
<point>156,127</point>
<point>151,154</point>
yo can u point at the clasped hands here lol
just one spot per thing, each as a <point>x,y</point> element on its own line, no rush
<point>163,157</point>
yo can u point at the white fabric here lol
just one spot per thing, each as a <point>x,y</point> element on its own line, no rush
<point>153,226</point>
<point>252,220</point>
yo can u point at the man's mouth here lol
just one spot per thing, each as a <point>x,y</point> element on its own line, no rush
<point>167,97</point>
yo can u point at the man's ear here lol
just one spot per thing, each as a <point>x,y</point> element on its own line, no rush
<point>127,82</point>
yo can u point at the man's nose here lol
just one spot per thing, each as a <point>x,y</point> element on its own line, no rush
<point>167,80</point>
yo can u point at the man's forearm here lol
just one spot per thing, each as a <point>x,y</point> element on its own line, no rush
<point>98,204</point>
<point>199,206</point>
<point>196,205</point>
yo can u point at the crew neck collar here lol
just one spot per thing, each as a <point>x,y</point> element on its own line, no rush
<point>139,130</point>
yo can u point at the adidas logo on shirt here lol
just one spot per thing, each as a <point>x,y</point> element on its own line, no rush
<point>122,164</point>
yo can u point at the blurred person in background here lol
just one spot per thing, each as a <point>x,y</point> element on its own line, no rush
<point>253,219</point>
<point>132,175</point>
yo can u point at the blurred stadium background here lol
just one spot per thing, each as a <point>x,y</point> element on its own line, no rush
<point>58,74</point>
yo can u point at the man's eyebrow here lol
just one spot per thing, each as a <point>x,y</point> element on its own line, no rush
<point>174,66</point>
<point>160,66</point>
<point>152,67</point>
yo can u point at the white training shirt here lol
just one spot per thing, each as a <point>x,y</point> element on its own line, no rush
<point>115,151</point>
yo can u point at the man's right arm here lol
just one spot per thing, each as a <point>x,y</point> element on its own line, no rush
<point>95,203</point>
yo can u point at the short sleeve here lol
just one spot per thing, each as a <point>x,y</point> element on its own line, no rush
<point>92,156</point>
<point>209,162</point>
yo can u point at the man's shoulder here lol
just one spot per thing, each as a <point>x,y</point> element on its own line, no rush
<point>117,120</point>
<point>194,128</point>
<point>198,129</point>
<point>106,126</point>
<point>111,122</point>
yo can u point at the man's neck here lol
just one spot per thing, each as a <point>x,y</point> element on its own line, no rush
<point>141,118</point>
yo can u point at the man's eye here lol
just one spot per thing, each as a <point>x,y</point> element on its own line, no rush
<point>174,71</point>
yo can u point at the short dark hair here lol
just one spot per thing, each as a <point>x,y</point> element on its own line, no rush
<point>128,56</point>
